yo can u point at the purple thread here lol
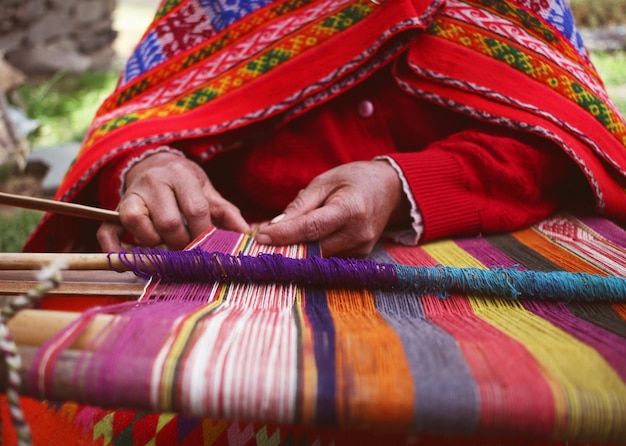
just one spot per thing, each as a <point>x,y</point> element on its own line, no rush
<point>198,265</point>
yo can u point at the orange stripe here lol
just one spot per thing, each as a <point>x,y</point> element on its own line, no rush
<point>555,252</point>
<point>371,363</point>
<point>308,372</point>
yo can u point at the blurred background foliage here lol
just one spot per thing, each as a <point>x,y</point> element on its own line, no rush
<point>597,13</point>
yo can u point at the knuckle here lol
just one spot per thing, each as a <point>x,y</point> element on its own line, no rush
<point>131,217</point>
<point>150,181</point>
<point>199,210</point>
<point>169,225</point>
<point>354,208</point>
<point>368,234</point>
<point>312,229</point>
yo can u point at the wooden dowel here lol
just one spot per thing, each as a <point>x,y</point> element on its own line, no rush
<point>76,284</point>
<point>34,327</point>
<point>60,207</point>
<point>72,261</point>
<point>74,289</point>
<point>31,328</point>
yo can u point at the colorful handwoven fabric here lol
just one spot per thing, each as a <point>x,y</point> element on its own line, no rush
<point>303,365</point>
<point>223,71</point>
<point>331,366</point>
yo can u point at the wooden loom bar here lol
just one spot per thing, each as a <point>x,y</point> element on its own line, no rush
<point>72,261</point>
<point>34,327</point>
<point>31,328</point>
<point>78,283</point>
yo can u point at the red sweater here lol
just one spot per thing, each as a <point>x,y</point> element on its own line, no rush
<point>465,177</point>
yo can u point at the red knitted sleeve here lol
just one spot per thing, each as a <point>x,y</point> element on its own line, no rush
<point>485,179</point>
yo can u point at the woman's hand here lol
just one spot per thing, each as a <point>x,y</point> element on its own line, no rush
<point>346,209</point>
<point>169,200</point>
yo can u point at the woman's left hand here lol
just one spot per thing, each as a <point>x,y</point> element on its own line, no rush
<point>346,209</point>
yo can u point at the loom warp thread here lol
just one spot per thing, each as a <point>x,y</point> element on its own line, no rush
<point>197,265</point>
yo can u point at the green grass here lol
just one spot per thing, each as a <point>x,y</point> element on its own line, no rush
<point>64,105</point>
<point>612,70</point>
<point>611,66</point>
<point>15,227</point>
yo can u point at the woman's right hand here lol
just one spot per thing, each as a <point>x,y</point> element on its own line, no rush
<point>169,200</point>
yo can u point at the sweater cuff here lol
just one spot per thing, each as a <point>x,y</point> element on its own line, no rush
<point>437,183</point>
<point>409,236</point>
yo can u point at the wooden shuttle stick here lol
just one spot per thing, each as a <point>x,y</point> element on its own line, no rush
<point>72,261</point>
<point>60,207</point>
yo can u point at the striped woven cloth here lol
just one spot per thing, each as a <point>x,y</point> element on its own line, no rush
<point>371,364</point>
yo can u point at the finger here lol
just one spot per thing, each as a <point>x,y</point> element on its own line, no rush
<point>312,226</point>
<point>195,209</point>
<point>227,216</point>
<point>170,225</point>
<point>210,208</point>
<point>135,217</point>
<point>155,223</point>
<point>109,236</point>
<point>308,199</point>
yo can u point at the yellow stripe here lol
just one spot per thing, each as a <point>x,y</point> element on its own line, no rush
<point>588,393</point>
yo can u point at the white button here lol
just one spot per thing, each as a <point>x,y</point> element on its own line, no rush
<point>366,109</point>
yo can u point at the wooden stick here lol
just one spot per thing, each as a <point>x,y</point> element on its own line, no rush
<point>76,284</point>
<point>72,261</point>
<point>60,207</point>
<point>31,328</point>
<point>35,327</point>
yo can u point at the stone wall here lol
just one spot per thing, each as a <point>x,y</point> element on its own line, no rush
<point>46,36</point>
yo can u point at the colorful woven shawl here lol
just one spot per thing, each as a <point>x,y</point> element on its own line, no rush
<point>228,71</point>
<point>306,365</point>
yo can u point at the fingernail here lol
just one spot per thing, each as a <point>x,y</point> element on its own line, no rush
<point>277,219</point>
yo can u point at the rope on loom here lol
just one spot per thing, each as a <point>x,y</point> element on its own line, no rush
<point>49,278</point>
<point>196,265</point>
